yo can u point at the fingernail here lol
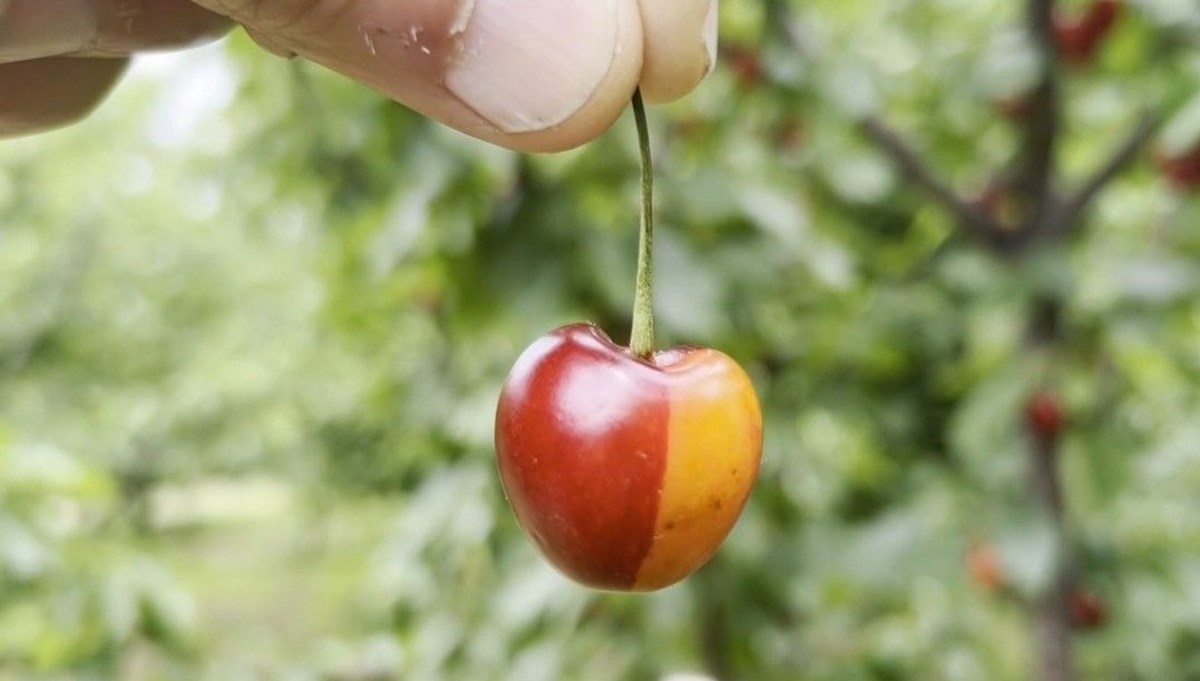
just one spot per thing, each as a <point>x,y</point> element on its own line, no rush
<point>709,33</point>
<point>527,66</point>
<point>45,28</point>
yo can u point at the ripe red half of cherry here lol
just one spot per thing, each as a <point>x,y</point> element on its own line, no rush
<point>626,466</point>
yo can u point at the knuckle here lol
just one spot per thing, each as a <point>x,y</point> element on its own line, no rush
<point>292,18</point>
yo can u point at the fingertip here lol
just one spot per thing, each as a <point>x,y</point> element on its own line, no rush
<point>140,25</point>
<point>44,94</point>
<point>681,46</point>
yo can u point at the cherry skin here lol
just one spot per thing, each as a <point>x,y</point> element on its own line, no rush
<point>626,473</point>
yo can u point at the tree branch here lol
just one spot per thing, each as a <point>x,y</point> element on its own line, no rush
<point>1053,610</point>
<point>1126,153</point>
<point>778,21</point>
<point>1039,148</point>
<point>971,218</point>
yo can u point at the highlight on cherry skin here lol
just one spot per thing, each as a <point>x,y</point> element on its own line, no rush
<point>627,473</point>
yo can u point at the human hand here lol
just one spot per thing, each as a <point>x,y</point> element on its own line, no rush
<point>531,75</point>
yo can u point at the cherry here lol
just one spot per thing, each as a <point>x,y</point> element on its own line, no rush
<point>628,473</point>
<point>1102,16</point>
<point>627,467</point>
<point>1183,170</point>
<point>1088,611</point>
<point>1000,202</point>
<point>791,135</point>
<point>1014,107</point>
<point>1076,43</point>
<point>1044,416</point>
<point>1078,38</point>
<point>985,566</point>
<point>746,64</point>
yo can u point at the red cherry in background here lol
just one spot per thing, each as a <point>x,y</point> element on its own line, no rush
<point>1088,611</point>
<point>1000,202</point>
<point>1014,107</point>
<point>627,473</point>
<point>745,63</point>
<point>1102,16</point>
<point>1044,415</point>
<point>1076,43</point>
<point>1078,38</point>
<point>985,566</point>
<point>1182,171</point>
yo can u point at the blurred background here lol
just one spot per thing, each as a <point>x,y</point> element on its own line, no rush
<point>255,320</point>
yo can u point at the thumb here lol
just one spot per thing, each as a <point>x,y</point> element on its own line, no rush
<point>532,75</point>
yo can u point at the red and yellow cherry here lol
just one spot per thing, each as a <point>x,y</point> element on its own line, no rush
<point>627,473</point>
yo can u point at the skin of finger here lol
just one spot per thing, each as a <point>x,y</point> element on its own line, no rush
<point>676,55</point>
<point>403,50</point>
<point>42,94</point>
<point>127,26</point>
<point>31,29</point>
<point>270,44</point>
<point>37,28</point>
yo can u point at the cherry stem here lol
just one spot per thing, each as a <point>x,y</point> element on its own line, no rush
<point>641,340</point>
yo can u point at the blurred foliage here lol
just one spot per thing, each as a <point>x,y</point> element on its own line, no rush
<point>256,319</point>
